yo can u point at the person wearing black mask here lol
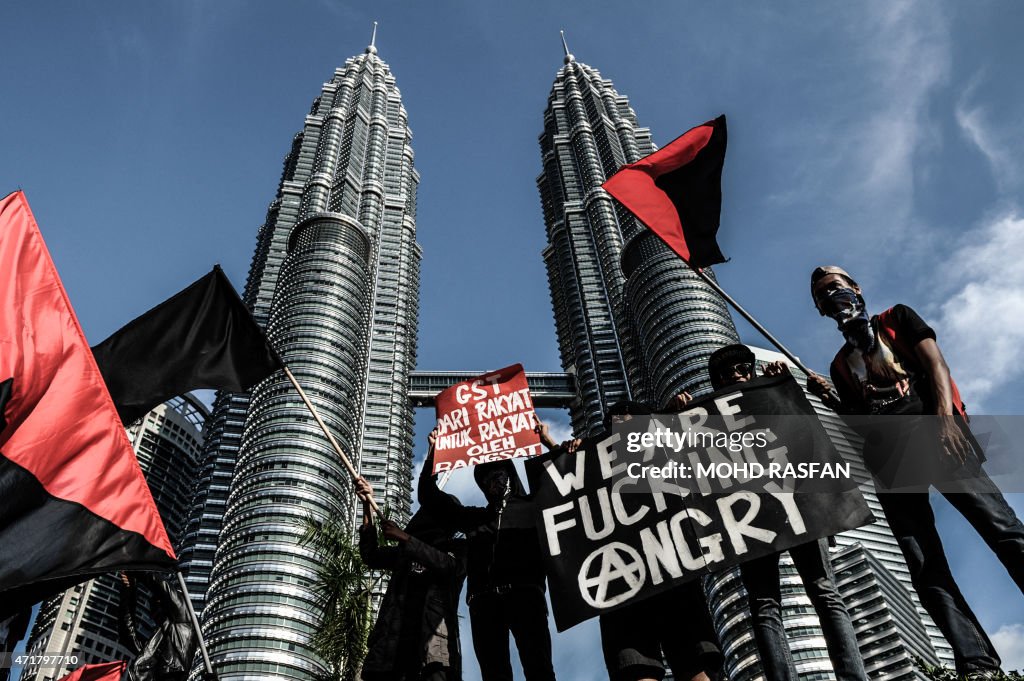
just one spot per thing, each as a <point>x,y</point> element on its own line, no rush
<point>731,365</point>
<point>416,635</point>
<point>891,365</point>
<point>505,584</point>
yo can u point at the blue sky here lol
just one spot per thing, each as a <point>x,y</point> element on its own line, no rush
<point>882,136</point>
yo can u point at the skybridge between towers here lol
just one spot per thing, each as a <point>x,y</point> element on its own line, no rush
<point>550,390</point>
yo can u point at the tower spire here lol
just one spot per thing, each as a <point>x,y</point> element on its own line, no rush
<point>568,55</point>
<point>372,49</point>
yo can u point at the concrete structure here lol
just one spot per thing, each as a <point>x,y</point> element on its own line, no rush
<point>335,282</point>
<point>889,628</point>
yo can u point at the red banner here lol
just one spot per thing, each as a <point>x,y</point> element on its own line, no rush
<point>488,418</point>
<point>109,671</point>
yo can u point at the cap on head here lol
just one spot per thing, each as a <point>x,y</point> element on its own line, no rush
<point>430,526</point>
<point>485,470</point>
<point>825,270</point>
<point>727,357</point>
<point>624,408</point>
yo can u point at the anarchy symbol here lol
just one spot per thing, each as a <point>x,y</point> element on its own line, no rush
<point>615,561</point>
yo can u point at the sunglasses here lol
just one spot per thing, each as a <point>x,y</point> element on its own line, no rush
<point>741,368</point>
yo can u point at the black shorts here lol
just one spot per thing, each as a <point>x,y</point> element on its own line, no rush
<point>675,626</point>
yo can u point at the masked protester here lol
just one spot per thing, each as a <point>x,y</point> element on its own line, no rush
<point>891,366</point>
<point>416,635</point>
<point>675,626</point>
<point>735,364</point>
<point>505,587</point>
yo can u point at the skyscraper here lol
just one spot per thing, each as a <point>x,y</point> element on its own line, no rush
<point>335,282</point>
<point>885,616</point>
<point>632,320</point>
<point>83,620</point>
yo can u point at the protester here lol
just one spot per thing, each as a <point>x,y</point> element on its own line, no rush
<point>727,366</point>
<point>505,585</point>
<point>675,626</point>
<point>168,654</point>
<point>12,629</point>
<point>416,635</point>
<point>891,365</point>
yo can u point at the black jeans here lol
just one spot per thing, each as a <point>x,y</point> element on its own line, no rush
<point>978,499</point>
<point>523,612</point>
<point>761,579</point>
<point>674,626</point>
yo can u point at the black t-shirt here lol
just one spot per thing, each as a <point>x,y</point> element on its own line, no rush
<point>890,375</point>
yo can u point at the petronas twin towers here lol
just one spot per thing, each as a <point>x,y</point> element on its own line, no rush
<point>335,281</point>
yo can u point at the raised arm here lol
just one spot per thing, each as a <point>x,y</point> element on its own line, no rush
<point>427,491</point>
<point>545,437</point>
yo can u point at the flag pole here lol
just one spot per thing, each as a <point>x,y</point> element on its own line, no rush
<point>753,322</point>
<point>444,479</point>
<point>334,443</point>
<point>195,623</point>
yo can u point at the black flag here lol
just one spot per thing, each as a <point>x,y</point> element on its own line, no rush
<point>202,337</point>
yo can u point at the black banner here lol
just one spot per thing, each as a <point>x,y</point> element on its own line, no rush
<point>741,473</point>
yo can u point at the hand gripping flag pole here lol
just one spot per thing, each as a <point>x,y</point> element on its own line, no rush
<point>677,193</point>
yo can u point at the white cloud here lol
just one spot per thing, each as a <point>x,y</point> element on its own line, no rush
<point>1009,643</point>
<point>910,55</point>
<point>996,144</point>
<point>865,137</point>
<point>981,325</point>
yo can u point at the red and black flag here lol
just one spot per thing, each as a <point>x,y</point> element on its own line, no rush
<point>74,501</point>
<point>202,337</point>
<point>108,671</point>
<point>677,192</point>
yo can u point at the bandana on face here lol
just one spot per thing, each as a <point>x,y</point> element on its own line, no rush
<point>850,313</point>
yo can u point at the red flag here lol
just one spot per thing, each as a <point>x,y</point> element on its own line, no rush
<point>75,503</point>
<point>108,671</point>
<point>677,192</point>
<point>487,418</point>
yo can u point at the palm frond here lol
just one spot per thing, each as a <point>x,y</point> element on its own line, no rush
<point>343,589</point>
